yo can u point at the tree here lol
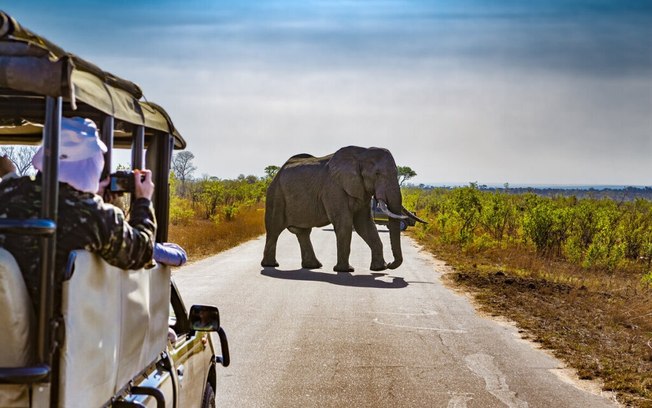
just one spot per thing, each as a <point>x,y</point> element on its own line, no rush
<point>183,168</point>
<point>212,194</point>
<point>404,174</point>
<point>271,171</point>
<point>21,156</point>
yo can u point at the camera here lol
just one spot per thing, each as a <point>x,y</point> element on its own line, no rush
<point>122,182</point>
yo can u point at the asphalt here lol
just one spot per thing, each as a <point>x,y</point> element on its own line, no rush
<point>317,338</point>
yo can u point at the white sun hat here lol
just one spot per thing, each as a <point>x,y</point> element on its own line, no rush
<point>81,158</point>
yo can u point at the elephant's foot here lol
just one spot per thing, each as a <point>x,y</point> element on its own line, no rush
<point>343,268</point>
<point>313,264</point>
<point>269,264</point>
<point>378,266</point>
<point>395,264</point>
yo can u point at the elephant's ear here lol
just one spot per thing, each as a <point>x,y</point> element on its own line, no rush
<point>344,168</point>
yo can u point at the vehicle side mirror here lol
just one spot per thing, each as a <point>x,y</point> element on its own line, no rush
<point>204,318</point>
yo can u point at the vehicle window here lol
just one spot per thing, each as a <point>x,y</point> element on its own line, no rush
<point>172,320</point>
<point>178,319</point>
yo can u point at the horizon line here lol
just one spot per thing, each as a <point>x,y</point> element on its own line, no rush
<point>578,186</point>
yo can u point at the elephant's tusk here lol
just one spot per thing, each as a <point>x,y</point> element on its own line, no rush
<point>383,208</point>
<point>413,216</point>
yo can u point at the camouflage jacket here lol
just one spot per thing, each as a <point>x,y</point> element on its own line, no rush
<point>84,222</point>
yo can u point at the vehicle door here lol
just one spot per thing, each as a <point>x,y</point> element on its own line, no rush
<point>192,353</point>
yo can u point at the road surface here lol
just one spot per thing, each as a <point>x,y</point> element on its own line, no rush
<point>317,338</point>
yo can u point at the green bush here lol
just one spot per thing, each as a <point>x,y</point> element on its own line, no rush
<point>466,208</point>
<point>230,211</point>
<point>592,233</point>
<point>180,211</point>
<point>499,214</point>
<point>547,225</point>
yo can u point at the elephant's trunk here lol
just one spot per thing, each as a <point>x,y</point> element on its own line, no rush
<point>394,208</point>
<point>394,226</point>
<point>410,214</point>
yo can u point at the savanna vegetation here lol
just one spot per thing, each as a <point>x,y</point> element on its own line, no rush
<point>575,274</point>
<point>209,214</point>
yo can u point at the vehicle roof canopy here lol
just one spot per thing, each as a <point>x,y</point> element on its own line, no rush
<point>31,67</point>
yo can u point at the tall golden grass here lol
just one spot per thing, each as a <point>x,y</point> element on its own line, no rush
<point>201,238</point>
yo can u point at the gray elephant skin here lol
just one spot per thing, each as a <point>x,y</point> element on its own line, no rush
<point>336,189</point>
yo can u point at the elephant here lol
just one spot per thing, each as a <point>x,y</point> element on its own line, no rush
<point>310,191</point>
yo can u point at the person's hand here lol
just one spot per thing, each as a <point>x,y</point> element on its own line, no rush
<point>6,166</point>
<point>143,185</point>
<point>103,186</point>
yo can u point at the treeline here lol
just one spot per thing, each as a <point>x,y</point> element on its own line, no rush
<point>214,199</point>
<point>209,214</point>
<point>621,194</point>
<point>211,198</point>
<point>592,232</point>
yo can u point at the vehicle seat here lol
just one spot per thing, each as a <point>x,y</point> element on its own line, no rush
<point>17,325</point>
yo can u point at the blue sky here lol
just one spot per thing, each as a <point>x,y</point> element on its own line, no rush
<point>525,92</point>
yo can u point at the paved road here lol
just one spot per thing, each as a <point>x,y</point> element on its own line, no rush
<point>304,338</point>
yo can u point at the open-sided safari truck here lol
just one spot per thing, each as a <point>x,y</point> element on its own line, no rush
<point>100,337</point>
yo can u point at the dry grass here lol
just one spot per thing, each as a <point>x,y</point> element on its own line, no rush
<point>202,238</point>
<point>598,322</point>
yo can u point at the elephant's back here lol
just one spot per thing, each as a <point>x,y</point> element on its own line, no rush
<point>305,159</point>
<point>302,175</point>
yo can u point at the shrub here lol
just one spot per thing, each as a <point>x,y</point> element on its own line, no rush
<point>498,215</point>
<point>466,206</point>
<point>547,226</point>
<point>181,211</point>
<point>230,211</point>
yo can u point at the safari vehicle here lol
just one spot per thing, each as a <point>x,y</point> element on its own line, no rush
<point>100,336</point>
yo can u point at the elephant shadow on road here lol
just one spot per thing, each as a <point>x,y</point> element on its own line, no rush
<point>340,278</point>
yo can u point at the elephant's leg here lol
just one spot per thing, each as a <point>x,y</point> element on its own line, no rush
<point>308,258</point>
<point>269,254</point>
<point>366,228</point>
<point>274,229</point>
<point>343,236</point>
